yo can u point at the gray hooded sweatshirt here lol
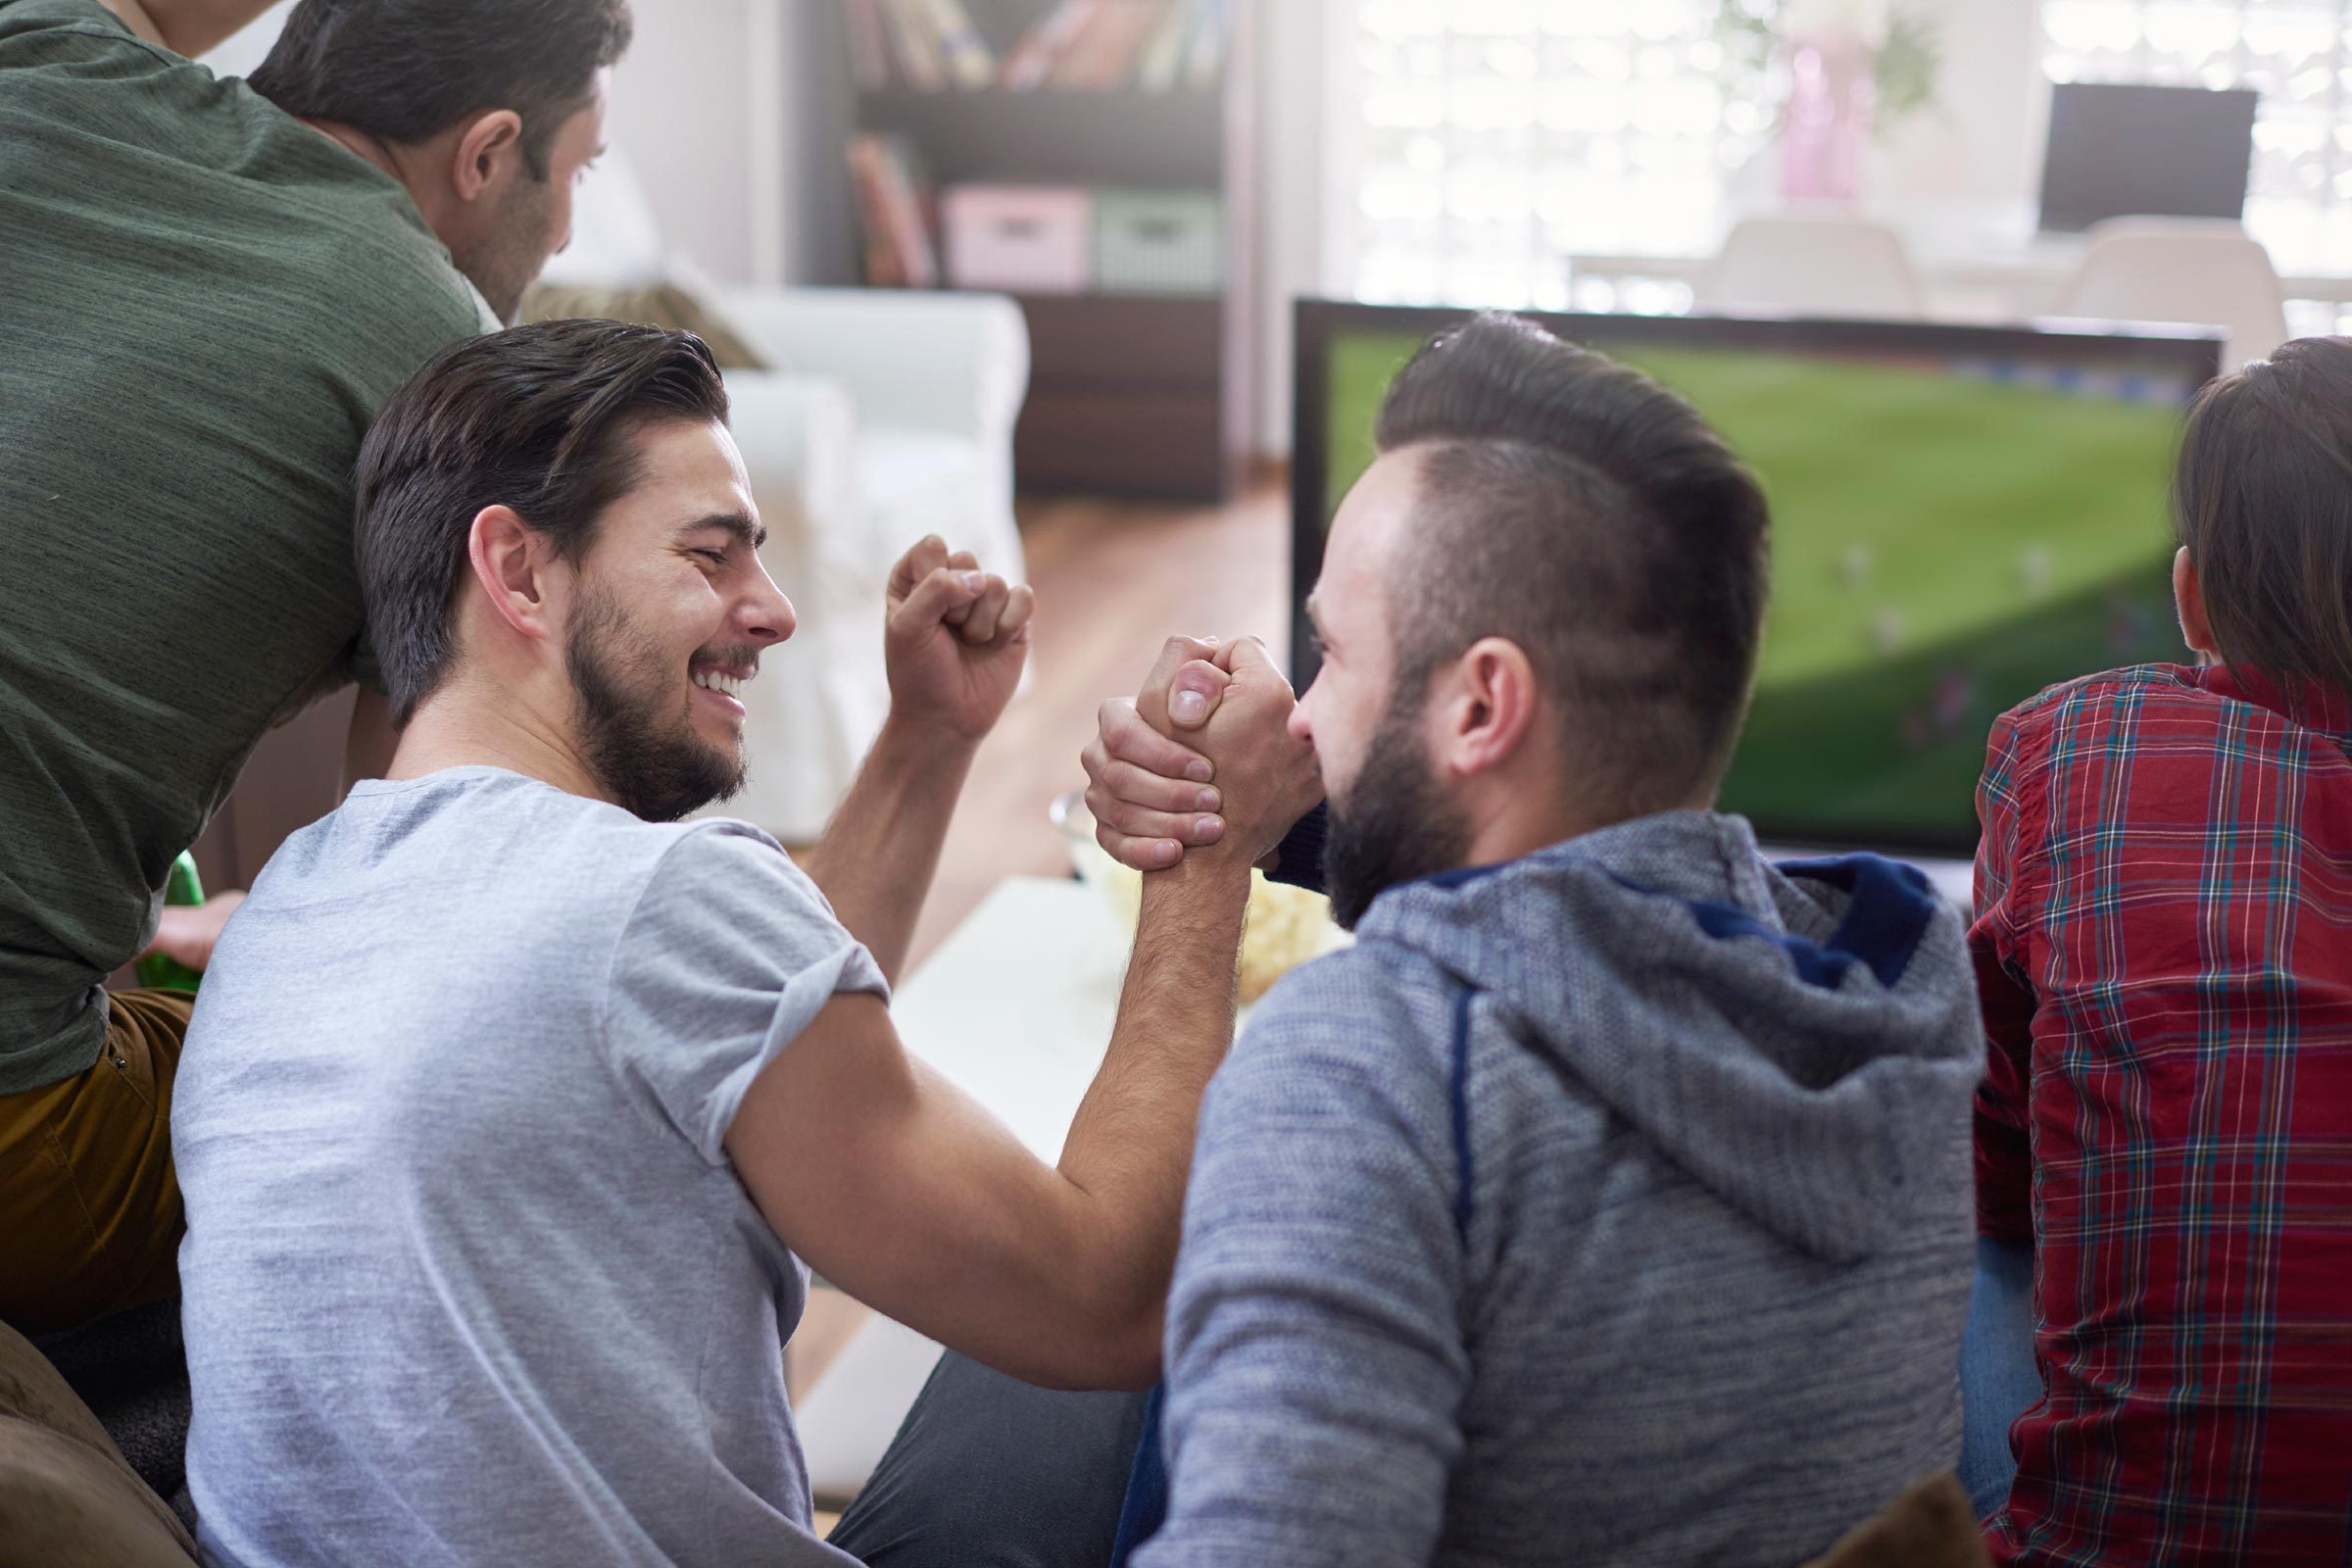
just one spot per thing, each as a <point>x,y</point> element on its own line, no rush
<point>1610,1206</point>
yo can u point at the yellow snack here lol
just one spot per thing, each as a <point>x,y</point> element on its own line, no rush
<point>1284,926</point>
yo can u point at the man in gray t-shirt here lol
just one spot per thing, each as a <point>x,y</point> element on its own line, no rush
<point>512,1103</point>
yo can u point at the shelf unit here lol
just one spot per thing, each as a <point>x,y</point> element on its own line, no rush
<point>1129,394</point>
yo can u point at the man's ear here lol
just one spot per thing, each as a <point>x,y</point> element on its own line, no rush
<point>509,561</point>
<point>2189,601</point>
<point>1486,705</point>
<point>494,136</point>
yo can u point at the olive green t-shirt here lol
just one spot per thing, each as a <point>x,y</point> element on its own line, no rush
<point>202,303</point>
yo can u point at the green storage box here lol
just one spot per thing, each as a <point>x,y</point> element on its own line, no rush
<point>1160,242</point>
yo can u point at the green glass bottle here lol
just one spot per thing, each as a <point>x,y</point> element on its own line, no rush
<point>155,971</point>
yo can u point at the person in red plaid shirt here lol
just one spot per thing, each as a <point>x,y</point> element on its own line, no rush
<point>2163,954</point>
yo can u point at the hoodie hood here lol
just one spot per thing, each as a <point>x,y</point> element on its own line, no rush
<point>1795,1038</point>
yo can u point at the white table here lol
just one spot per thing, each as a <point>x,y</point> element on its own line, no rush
<point>1015,1008</point>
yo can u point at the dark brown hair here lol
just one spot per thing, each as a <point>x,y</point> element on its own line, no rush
<point>539,418</point>
<point>1580,510</point>
<point>2262,499</point>
<point>407,69</point>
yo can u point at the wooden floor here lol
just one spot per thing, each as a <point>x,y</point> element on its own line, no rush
<point>1113,580</point>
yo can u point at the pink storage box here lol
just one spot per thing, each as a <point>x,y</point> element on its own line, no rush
<point>1025,239</point>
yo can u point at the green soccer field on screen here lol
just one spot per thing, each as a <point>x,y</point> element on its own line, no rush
<point>1946,542</point>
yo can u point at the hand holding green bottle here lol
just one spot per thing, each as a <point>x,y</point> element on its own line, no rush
<point>192,924</point>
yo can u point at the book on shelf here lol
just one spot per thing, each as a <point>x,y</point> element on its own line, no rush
<point>869,48</point>
<point>911,29</point>
<point>1152,46</point>
<point>969,60</point>
<point>894,212</point>
<point>1162,58</point>
<point>1206,64</point>
<point>1031,61</point>
<point>1103,55</point>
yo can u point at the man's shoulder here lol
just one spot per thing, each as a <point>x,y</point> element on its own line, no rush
<point>382,294</point>
<point>716,893</point>
<point>1368,994</point>
<point>537,844</point>
<point>1371,1023</point>
<point>287,244</point>
<point>70,19</point>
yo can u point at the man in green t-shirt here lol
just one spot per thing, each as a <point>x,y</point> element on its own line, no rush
<point>207,287</point>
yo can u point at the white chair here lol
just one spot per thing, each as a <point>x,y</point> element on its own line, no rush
<point>2192,271</point>
<point>1815,264</point>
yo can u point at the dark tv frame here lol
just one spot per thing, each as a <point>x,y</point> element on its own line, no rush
<point>2193,353</point>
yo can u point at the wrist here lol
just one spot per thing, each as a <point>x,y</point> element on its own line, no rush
<point>1208,885</point>
<point>1228,859</point>
<point>919,742</point>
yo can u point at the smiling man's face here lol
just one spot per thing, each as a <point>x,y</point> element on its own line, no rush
<point>671,612</point>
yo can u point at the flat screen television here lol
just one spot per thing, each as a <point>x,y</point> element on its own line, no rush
<point>1961,517</point>
<point>2121,150</point>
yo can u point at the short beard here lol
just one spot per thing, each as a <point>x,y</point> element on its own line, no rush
<point>641,747</point>
<point>509,258</point>
<point>1394,825</point>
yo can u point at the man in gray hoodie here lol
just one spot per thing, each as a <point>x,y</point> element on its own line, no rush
<point>1608,1201</point>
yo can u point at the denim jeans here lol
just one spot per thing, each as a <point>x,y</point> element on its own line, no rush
<point>1998,1379</point>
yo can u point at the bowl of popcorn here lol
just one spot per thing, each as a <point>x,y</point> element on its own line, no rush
<point>1284,927</point>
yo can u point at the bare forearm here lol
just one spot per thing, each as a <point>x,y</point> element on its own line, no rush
<point>879,853</point>
<point>186,27</point>
<point>1131,1141</point>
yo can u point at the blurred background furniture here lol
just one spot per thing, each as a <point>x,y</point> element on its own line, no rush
<point>2186,270</point>
<point>891,417</point>
<point>1142,374</point>
<point>1815,264</point>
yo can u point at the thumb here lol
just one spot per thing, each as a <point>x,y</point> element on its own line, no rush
<point>1193,695</point>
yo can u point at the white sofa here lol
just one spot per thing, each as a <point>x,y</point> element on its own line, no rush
<point>889,416</point>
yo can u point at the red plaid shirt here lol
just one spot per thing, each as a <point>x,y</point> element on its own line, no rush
<point>2163,951</point>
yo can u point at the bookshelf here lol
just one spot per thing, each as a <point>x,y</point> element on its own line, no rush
<point>1130,394</point>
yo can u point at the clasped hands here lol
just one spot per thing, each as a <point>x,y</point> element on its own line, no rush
<point>1200,759</point>
<point>955,639</point>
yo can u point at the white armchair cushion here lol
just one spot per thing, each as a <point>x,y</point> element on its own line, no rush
<point>890,418</point>
<point>799,438</point>
<point>953,363</point>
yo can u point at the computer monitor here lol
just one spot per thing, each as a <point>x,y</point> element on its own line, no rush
<point>1961,517</point>
<point>2120,151</point>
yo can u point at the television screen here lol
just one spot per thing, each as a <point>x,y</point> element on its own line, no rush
<point>2119,150</point>
<point>1961,517</point>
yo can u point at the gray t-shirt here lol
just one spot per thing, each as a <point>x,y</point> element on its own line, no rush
<point>468,1276</point>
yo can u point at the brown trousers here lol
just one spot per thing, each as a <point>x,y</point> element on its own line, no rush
<point>89,1199</point>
